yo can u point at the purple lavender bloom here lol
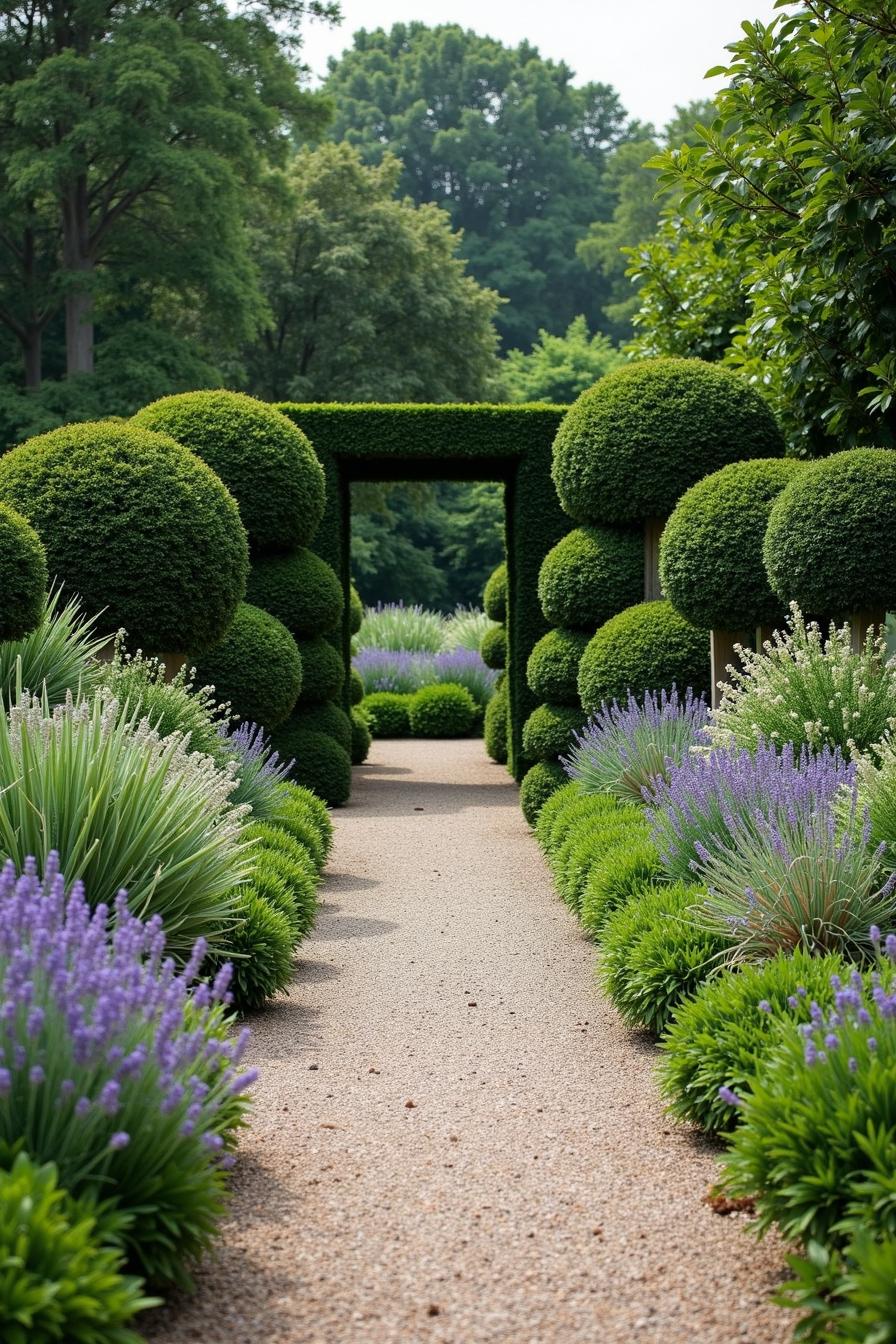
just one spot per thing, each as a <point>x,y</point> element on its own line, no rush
<point>729,1097</point>
<point>404,672</point>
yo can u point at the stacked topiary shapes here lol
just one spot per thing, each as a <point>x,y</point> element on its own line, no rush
<point>278,482</point>
<point>493,648</point>
<point>711,562</point>
<point>23,575</point>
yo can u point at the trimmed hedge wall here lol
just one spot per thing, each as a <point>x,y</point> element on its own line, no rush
<point>450,442</point>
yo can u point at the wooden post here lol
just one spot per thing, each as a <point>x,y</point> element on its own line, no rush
<point>173,663</point>
<point>859,623</point>
<point>764,634</point>
<point>722,653</point>
<point>653,530</point>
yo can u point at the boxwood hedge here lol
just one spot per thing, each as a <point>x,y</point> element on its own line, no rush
<point>23,575</point>
<point>648,647</point>
<point>590,575</point>
<point>442,710</point>
<point>255,668</point>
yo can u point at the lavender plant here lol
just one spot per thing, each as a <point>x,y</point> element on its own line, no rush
<point>803,687</point>
<point>116,1068</point>
<point>403,673</point>
<point>394,626</point>
<point>624,748</point>
<point>260,773</point>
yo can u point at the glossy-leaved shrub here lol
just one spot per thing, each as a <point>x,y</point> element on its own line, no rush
<point>441,711</point>
<point>590,574</point>
<point>648,647</point>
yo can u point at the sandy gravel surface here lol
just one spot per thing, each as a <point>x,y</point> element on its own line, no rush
<point>454,1140</point>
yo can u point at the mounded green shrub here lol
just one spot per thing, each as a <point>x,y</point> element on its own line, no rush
<point>494,596</point>
<point>361,738</point>
<point>829,543</point>
<point>543,779</point>
<point>319,763</point>
<point>590,575</point>
<point>297,805</point>
<point>722,1035</point>
<point>561,802</point>
<point>442,710</point>
<point>711,564</point>
<point>300,589</point>
<point>23,575</point>
<point>256,668</point>
<point>587,844</point>
<point>268,880</point>
<point>387,713</point>
<point>553,668</point>
<point>495,728</point>
<point>654,955</point>
<point>277,851</point>
<point>136,525</point>
<point>327,717</point>
<point>493,647</point>
<point>355,610</point>
<point>356,686</point>
<point>260,951</point>
<point>649,647</point>
<point>618,877</point>
<point>548,731</point>
<point>630,446</point>
<point>565,820</point>
<point>262,457</point>
<point>323,671</point>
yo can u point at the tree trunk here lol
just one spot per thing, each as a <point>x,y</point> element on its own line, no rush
<point>79,264</point>
<point>32,350</point>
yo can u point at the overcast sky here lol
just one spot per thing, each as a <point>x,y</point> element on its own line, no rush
<point>654,52</point>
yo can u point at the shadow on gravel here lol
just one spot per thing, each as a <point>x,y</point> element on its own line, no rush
<point>355,926</point>
<point>397,799</point>
<point>315,972</point>
<point>344,883</point>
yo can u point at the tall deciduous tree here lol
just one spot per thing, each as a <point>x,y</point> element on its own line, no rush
<point>558,368</point>
<point>368,297</point>
<point>505,141</point>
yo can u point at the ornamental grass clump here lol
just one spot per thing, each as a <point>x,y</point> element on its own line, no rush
<point>805,687</point>
<point>708,797</point>
<point>392,625</point>
<point>464,629</point>
<point>58,656</point>
<point>624,748</point>
<point>116,1068</point>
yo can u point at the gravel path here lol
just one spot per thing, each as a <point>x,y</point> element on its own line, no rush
<point>454,1140</point>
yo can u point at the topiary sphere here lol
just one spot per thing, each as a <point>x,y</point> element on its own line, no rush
<point>319,763</point>
<point>539,783</point>
<point>256,668</point>
<point>387,713</point>
<point>355,610</point>
<point>590,575</point>
<point>323,671</point>
<point>495,725</point>
<point>711,565</point>
<point>300,589</point>
<point>632,444</point>
<point>648,647</point>
<point>553,667</point>
<point>493,647</point>
<point>23,575</point>
<point>361,739</point>
<point>829,542</point>
<point>260,455</point>
<point>549,730</point>
<point>356,685</point>
<point>135,524</point>
<point>443,710</point>
<point>494,596</point>
<point>327,717</point>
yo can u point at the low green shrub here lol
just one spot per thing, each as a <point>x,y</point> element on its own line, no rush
<point>495,725</point>
<point>356,686</point>
<point>319,763</point>
<point>494,597</point>
<point>62,1281</point>
<point>539,782</point>
<point>300,589</point>
<point>590,575</point>
<point>553,667</point>
<point>848,1296</point>
<point>361,738</point>
<point>550,731</point>
<point>58,656</point>
<point>622,872</point>
<point>723,1035</point>
<point>559,803</point>
<point>23,575</point>
<point>586,844</point>
<point>493,647</point>
<point>260,949</point>
<point>262,457</point>
<point>387,713</point>
<point>572,807</point>
<point>256,668</point>
<point>269,882</point>
<point>441,711</point>
<point>654,955</point>
<point>355,610</point>
<point>648,647</point>
<point>323,672</point>
<point>296,809</point>
<point>327,717</point>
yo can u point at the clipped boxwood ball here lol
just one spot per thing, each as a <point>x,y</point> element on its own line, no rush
<point>632,444</point>
<point>711,564</point>
<point>355,610</point>
<point>553,667</point>
<point>300,589</point>
<point>493,647</point>
<point>361,739</point>
<point>548,731</point>
<point>539,783</point>
<point>495,725</point>
<point>444,710</point>
<point>591,574</point>
<point>319,763</point>
<point>23,575</point>
<point>387,713</point>
<point>261,456</point>
<point>136,524</point>
<point>649,647</point>
<point>829,543</point>
<point>256,668</point>
<point>356,685</point>
<point>323,671</point>
<point>494,596</point>
<point>327,717</point>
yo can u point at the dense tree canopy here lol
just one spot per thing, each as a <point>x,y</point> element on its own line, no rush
<point>558,368</point>
<point>504,141</point>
